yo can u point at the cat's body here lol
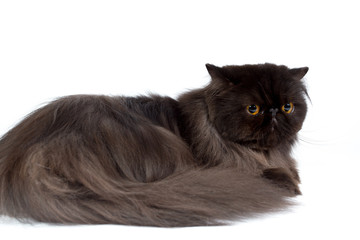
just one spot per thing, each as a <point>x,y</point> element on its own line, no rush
<point>216,154</point>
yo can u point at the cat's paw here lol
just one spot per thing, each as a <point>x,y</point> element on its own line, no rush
<point>282,178</point>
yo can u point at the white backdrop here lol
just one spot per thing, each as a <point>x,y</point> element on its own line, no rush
<point>53,48</point>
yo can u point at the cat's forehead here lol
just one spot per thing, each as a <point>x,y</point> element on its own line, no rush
<point>265,85</point>
<point>266,74</point>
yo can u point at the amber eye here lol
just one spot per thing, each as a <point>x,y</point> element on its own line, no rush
<point>288,107</point>
<point>253,109</point>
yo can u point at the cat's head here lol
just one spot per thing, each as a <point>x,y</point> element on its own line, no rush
<point>259,106</point>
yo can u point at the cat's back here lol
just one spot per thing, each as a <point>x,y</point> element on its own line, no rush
<point>78,111</point>
<point>92,115</point>
<point>139,135</point>
<point>160,111</point>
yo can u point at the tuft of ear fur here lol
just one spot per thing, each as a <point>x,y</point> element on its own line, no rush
<point>299,73</point>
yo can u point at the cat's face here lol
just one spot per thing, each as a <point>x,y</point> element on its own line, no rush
<point>259,106</point>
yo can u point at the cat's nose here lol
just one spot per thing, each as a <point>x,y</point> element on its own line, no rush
<point>273,111</point>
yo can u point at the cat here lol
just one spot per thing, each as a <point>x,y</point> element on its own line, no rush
<point>215,155</point>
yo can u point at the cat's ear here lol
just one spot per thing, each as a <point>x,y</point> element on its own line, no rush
<point>299,73</point>
<point>216,73</point>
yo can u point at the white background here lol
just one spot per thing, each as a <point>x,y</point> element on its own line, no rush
<point>53,48</point>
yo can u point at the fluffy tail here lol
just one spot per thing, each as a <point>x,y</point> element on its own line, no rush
<point>193,198</point>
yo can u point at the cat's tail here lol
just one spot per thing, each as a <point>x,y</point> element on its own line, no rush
<point>213,196</point>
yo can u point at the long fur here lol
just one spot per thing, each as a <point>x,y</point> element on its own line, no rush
<point>150,161</point>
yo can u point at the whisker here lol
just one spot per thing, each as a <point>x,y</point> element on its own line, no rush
<point>313,141</point>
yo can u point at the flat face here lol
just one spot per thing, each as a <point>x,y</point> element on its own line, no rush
<point>262,106</point>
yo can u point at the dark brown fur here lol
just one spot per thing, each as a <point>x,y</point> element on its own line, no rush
<point>156,161</point>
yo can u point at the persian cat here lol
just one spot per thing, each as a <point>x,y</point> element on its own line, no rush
<point>214,155</point>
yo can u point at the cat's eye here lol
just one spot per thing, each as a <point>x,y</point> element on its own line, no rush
<point>253,109</point>
<point>288,107</point>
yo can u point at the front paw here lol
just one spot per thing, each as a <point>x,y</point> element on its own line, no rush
<point>282,178</point>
